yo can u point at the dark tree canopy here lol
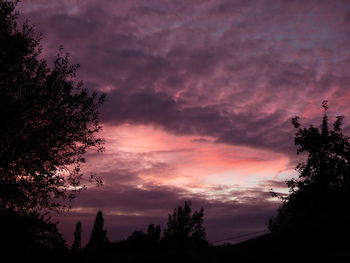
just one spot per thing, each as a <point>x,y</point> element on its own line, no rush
<point>26,234</point>
<point>48,121</point>
<point>98,238</point>
<point>153,233</point>
<point>145,240</point>
<point>185,229</point>
<point>77,237</point>
<point>320,196</point>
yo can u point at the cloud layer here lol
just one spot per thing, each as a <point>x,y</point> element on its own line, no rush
<point>233,70</point>
<point>220,78</point>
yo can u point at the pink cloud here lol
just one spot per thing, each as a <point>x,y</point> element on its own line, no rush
<point>200,97</point>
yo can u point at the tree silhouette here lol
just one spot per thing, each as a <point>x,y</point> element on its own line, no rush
<point>144,240</point>
<point>48,120</point>
<point>98,237</point>
<point>185,230</point>
<point>28,234</point>
<point>153,233</point>
<point>319,198</point>
<point>77,237</point>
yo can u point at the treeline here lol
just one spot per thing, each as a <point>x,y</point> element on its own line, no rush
<point>184,237</point>
<point>33,236</point>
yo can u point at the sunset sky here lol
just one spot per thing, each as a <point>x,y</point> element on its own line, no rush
<point>200,94</point>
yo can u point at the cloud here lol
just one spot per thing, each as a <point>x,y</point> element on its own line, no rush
<point>229,72</point>
<point>237,72</point>
<point>130,200</point>
<point>132,209</point>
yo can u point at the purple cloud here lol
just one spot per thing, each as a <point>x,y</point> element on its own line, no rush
<point>235,72</point>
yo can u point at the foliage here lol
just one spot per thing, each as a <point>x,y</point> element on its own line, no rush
<point>319,197</point>
<point>48,121</point>
<point>98,237</point>
<point>28,233</point>
<point>77,237</point>
<point>153,233</point>
<point>142,239</point>
<point>184,229</point>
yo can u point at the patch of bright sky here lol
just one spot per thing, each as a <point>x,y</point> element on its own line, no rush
<point>193,163</point>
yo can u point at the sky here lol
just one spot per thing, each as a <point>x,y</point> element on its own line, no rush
<point>200,96</point>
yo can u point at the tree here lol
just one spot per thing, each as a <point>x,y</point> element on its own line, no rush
<point>319,198</point>
<point>153,233</point>
<point>28,234</point>
<point>140,239</point>
<point>77,237</point>
<point>48,121</point>
<point>98,237</point>
<point>185,230</point>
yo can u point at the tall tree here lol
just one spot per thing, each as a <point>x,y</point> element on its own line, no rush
<point>320,197</point>
<point>48,120</point>
<point>77,237</point>
<point>98,237</point>
<point>184,229</point>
